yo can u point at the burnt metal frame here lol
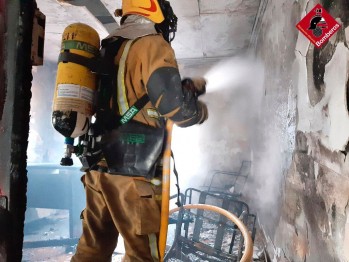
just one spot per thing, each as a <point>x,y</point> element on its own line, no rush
<point>235,175</point>
<point>183,245</point>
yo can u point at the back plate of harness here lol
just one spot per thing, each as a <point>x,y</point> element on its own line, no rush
<point>133,149</point>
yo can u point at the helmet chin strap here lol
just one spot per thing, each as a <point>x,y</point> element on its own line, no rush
<point>168,27</point>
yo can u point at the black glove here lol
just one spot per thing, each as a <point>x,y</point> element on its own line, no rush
<point>196,85</point>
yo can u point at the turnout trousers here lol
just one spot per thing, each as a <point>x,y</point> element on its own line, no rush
<point>124,205</point>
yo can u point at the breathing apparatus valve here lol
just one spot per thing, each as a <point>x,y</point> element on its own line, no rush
<point>69,150</point>
<point>88,148</point>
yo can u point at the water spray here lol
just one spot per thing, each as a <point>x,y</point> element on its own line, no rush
<point>233,96</point>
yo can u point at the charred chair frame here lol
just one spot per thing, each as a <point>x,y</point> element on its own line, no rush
<point>184,245</point>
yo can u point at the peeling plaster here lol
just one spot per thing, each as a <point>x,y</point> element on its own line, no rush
<point>334,128</point>
<point>336,78</point>
<point>324,200</point>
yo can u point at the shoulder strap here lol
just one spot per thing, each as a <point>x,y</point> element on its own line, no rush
<point>112,87</point>
<point>133,110</point>
<point>120,94</point>
<point>105,119</point>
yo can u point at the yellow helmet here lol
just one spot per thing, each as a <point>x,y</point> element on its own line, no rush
<point>158,11</point>
<point>147,8</point>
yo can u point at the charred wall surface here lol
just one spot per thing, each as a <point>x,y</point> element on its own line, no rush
<point>310,84</point>
<point>14,122</point>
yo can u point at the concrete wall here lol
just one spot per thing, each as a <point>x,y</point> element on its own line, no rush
<point>303,197</point>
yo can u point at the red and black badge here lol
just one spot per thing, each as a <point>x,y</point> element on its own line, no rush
<point>318,26</point>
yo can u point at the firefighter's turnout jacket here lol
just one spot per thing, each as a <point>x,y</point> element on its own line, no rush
<point>118,204</point>
<point>151,67</point>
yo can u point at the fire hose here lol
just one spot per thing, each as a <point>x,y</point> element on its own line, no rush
<point>165,201</point>
<point>165,212</point>
<point>248,253</point>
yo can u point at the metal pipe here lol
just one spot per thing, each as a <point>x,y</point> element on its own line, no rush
<point>248,253</point>
<point>165,201</point>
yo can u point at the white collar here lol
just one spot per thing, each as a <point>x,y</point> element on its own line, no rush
<point>133,27</point>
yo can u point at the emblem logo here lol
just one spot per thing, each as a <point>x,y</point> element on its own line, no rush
<point>318,26</point>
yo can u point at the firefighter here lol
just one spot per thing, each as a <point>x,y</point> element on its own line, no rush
<point>121,197</point>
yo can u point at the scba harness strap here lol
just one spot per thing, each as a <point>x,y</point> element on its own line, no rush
<point>110,48</point>
<point>107,119</point>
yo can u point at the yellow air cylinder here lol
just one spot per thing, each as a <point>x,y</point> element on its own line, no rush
<point>75,89</point>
